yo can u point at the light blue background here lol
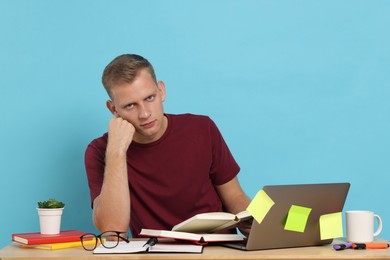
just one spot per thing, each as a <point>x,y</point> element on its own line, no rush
<point>299,89</point>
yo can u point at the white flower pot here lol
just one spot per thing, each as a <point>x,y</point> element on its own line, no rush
<point>50,220</point>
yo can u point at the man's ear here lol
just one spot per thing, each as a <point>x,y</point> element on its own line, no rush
<point>110,105</point>
<point>161,88</point>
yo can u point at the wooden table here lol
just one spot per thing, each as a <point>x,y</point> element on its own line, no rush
<point>13,251</point>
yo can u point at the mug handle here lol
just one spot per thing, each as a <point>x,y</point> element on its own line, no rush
<point>379,229</point>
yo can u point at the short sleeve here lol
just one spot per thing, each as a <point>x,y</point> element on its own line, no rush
<point>224,167</point>
<point>94,166</point>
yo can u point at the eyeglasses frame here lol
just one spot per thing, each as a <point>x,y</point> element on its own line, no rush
<point>99,237</point>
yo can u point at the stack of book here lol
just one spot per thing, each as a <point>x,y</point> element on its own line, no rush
<point>65,239</point>
<point>203,228</point>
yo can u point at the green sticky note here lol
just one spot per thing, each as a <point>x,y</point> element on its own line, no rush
<point>260,205</point>
<point>331,226</point>
<point>297,218</point>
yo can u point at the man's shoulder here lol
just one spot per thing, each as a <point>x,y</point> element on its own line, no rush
<point>189,118</point>
<point>100,142</point>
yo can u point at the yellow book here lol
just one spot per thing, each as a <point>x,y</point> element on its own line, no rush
<point>56,246</point>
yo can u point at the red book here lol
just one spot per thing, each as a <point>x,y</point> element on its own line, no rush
<point>38,238</point>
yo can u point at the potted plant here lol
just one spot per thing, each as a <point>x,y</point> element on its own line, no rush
<point>50,212</point>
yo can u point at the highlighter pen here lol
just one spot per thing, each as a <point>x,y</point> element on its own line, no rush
<point>370,246</point>
<point>342,246</point>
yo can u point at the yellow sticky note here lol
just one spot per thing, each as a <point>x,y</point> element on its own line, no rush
<point>260,205</point>
<point>297,218</point>
<point>331,226</point>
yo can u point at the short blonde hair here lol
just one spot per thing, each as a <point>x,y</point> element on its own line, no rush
<point>124,69</point>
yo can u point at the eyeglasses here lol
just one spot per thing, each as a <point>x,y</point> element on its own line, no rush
<point>108,239</point>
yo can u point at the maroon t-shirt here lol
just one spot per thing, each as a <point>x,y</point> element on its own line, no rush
<point>173,178</point>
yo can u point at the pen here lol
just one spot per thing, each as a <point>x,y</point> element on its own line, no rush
<point>370,246</point>
<point>342,246</point>
<point>151,242</point>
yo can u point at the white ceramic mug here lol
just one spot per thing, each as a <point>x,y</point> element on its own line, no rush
<point>360,226</point>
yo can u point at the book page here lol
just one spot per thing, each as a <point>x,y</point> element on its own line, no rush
<point>222,237</point>
<point>176,248</point>
<point>214,215</point>
<point>122,248</point>
<point>170,234</point>
<point>241,216</point>
<point>244,215</point>
<point>205,222</point>
<point>138,247</point>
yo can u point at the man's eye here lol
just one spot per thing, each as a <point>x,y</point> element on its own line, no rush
<point>129,106</point>
<point>150,98</point>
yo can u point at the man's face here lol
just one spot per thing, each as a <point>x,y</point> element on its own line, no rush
<point>141,104</point>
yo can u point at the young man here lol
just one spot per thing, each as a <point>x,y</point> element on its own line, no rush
<point>154,170</point>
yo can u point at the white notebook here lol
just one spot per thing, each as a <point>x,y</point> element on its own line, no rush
<point>139,247</point>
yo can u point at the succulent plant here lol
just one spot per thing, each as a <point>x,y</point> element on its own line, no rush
<point>50,204</point>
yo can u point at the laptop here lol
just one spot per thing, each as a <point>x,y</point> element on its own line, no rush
<point>270,234</point>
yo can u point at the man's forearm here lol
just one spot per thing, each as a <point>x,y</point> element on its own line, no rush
<point>112,207</point>
<point>233,197</point>
<point>244,203</point>
<point>239,203</point>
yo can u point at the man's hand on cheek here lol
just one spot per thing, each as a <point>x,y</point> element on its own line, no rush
<point>120,134</point>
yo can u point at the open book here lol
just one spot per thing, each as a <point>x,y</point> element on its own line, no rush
<point>138,246</point>
<point>211,222</point>
<point>200,239</point>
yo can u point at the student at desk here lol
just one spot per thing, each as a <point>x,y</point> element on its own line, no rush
<point>154,170</point>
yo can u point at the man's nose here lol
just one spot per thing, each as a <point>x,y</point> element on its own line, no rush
<point>143,112</point>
